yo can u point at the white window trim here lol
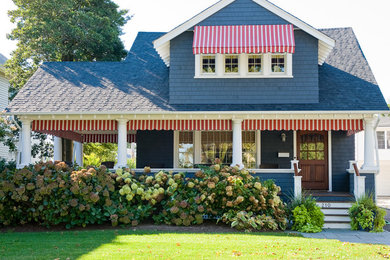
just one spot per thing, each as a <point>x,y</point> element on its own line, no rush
<point>243,67</point>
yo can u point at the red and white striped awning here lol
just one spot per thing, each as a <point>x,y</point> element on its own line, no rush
<point>304,124</point>
<point>106,138</point>
<point>244,39</point>
<point>181,125</point>
<point>56,127</point>
<point>74,125</point>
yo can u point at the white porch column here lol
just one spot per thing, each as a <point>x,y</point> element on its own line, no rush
<point>369,144</point>
<point>26,143</point>
<point>237,143</point>
<point>122,143</point>
<point>57,149</point>
<point>78,153</point>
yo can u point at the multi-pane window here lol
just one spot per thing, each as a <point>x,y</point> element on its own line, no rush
<point>312,147</point>
<point>278,63</point>
<point>249,149</point>
<point>383,139</point>
<point>208,64</point>
<point>231,64</point>
<point>254,63</point>
<point>216,145</point>
<point>186,150</point>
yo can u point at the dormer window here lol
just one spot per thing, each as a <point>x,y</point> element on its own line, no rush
<point>208,64</point>
<point>231,64</point>
<point>244,51</point>
<point>278,63</point>
<point>254,63</point>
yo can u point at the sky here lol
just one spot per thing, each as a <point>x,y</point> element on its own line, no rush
<point>370,21</point>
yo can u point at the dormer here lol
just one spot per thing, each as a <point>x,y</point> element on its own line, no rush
<point>243,52</point>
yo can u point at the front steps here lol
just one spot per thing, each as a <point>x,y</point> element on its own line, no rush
<point>335,206</point>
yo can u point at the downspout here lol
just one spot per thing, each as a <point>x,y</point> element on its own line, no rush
<point>376,154</point>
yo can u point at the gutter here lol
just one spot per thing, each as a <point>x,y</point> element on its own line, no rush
<point>202,112</point>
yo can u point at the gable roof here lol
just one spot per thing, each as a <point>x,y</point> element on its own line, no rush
<point>325,44</point>
<point>140,84</point>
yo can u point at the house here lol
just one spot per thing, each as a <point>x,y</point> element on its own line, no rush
<point>383,152</point>
<point>4,85</point>
<point>243,81</point>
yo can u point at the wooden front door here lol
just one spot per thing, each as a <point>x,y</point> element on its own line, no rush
<point>313,159</point>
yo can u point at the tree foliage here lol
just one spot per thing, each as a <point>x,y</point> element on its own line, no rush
<point>96,153</point>
<point>61,30</point>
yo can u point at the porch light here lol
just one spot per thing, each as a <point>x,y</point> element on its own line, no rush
<point>283,135</point>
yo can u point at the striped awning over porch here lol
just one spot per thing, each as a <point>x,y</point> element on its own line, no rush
<point>244,39</point>
<point>106,138</point>
<point>304,124</point>
<point>54,126</point>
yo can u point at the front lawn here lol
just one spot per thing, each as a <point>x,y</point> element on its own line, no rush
<point>128,244</point>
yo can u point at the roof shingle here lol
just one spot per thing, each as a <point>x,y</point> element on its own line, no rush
<point>140,83</point>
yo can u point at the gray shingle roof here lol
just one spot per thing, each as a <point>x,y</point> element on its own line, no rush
<point>140,83</point>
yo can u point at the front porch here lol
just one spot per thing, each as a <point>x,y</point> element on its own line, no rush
<point>265,144</point>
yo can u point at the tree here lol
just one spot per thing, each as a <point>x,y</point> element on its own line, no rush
<point>62,30</point>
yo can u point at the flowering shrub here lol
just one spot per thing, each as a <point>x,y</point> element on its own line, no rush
<point>53,194</point>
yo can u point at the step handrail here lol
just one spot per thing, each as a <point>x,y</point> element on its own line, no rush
<point>355,167</point>
<point>296,171</point>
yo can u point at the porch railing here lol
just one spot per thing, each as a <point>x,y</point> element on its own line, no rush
<point>297,179</point>
<point>359,182</point>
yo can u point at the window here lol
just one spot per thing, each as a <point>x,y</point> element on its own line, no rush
<point>388,139</point>
<point>231,64</point>
<point>186,150</point>
<point>278,63</point>
<point>312,147</point>
<point>383,139</point>
<point>249,149</point>
<point>261,65</point>
<point>254,63</point>
<point>208,64</point>
<point>216,145</point>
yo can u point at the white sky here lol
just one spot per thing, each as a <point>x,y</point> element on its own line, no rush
<point>370,21</point>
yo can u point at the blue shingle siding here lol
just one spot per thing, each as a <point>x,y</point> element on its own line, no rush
<point>343,150</point>
<point>284,180</point>
<point>271,144</point>
<point>303,88</point>
<point>369,183</point>
<point>155,149</point>
<point>243,12</point>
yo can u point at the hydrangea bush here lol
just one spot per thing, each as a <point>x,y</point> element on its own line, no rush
<point>54,193</point>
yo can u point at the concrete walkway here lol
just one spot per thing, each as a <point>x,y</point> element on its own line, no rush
<point>346,235</point>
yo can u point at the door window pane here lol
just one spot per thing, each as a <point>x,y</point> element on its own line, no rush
<point>312,147</point>
<point>186,150</point>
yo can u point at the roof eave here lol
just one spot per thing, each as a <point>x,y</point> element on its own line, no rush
<point>326,43</point>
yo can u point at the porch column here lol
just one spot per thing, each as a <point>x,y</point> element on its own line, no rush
<point>57,149</point>
<point>237,143</point>
<point>122,143</point>
<point>369,144</point>
<point>78,152</point>
<point>26,143</point>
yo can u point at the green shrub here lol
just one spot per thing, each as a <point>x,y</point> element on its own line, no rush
<point>305,215</point>
<point>365,214</point>
<point>56,194</point>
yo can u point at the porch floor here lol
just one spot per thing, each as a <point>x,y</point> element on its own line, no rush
<point>322,195</point>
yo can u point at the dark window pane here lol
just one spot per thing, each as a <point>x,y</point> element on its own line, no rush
<point>381,139</point>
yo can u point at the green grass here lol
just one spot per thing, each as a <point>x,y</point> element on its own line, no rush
<point>127,244</point>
